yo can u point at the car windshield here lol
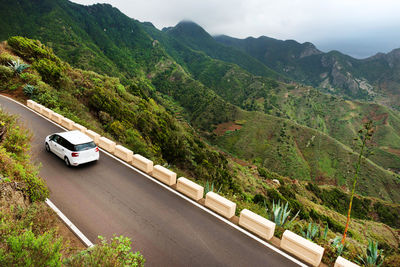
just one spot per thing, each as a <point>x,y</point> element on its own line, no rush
<point>85,146</point>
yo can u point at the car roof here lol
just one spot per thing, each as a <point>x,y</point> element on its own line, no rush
<point>75,137</point>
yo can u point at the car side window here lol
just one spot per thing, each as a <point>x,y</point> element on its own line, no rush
<point>65,143</point>
<point>62,141</point>
<point>54,138</point>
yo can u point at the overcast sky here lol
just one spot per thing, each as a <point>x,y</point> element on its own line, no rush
<point>359,28</point>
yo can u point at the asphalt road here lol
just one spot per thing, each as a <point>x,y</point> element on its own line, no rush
<point>107,198</point>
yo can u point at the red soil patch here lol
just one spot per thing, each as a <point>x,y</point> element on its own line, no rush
<point>394,151</point>
<point>376,117</point>
<point>226,126</point>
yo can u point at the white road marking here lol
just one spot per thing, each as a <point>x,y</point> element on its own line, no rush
<point>69,224</point>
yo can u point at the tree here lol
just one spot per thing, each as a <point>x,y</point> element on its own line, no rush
<point>364,135</point>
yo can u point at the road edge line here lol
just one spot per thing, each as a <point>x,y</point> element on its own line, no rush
<point>266,244</point>
<point>69,224</point>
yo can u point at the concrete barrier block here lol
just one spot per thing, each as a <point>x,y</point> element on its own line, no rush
<point>77,126</point>
<point>47,112</point>
<point>107,144</point>
<point>38,108</point>
<point>220,205</point>
<point>189,188</point>
<point>95,136</point>
<point>164,175</point>
<point>342,262</point>
<point>302,248</point>
<point>257,224</point>
<point>142,163</point>
<point>123,153</point>
<point>30,103</point>
<point>57,118</point>
<point>67,123</point>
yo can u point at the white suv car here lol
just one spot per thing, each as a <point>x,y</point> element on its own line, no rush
<point>73,147</point>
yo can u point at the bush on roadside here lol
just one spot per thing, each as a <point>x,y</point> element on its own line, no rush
<point>116,253</point>
<point>27,249</point>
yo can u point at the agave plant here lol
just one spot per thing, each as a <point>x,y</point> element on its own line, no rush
<point>311,232</point>
<point>17,66</point>
<point>337,244</point>
<point>281,213</point>
<point>325,232</point>
<point>373,256</point>
<point>209,187</point>
<point>29,90</point>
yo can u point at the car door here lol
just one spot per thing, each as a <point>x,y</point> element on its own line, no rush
<point>57,147</point>
<point>53,144</point>
<point>63,146</point>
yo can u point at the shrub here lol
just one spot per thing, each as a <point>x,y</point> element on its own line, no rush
<point>258,198</point>
<point>49,70</point>
<point>280,214</point>
<point>311,232</point>
<point>30,78</point>
<point>5,73</point>
<point>6,58</point>
<point>30,250</point>
<point>387,214</point>
<point>31,49</point>
<point>372,256</point>
<point>17,66</point>
<point>115,253</point>
<point>29,90</point>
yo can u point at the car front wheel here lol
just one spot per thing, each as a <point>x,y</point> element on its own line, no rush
<point>66,160</point>
<point>47,147</point>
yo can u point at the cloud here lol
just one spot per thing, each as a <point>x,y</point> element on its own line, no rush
<point>335,21</point>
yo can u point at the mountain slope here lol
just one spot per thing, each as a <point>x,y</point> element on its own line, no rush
<point>195,37</point>
<point>374,78</point>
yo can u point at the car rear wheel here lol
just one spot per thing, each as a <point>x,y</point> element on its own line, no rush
<point>66,160</point>
<point>47,147</point>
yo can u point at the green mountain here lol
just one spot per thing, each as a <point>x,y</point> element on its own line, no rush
<point>195,37</point>
<point>374,78</point>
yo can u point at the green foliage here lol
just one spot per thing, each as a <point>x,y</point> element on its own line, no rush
<point>325,234</point>
<point>50,71</point>
<point>311,232</point>
<point>336,199</point>
<point>330,222</point>
<point>6,58</point>
<point>259,199</point>
<point>372,255</point>
<point>30,49</point>
<point>117,252</point>
<point>29,90</point>
<point>15,160</point>
<point>267,174</point>
<point>5,73</point>
<point>280,214</point>
<point>209,187</point>
<point>17,66</point>
<point>338,246</point>
<point>30,250</point>
<point>388,214</point>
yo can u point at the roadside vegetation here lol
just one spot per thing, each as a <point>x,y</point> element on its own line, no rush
<point>149,123</point>
<point>30,232</point>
